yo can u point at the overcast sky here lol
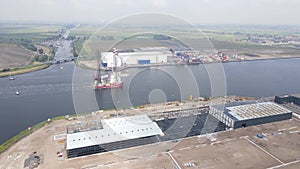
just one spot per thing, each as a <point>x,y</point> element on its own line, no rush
<point>277,12</point>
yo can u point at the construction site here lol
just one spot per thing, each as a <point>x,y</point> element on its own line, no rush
<point>171,135</point>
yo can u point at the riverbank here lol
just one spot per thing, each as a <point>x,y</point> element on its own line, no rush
<point>86,64</point>
<point>23,69</point>
<point>152,110</point>
<point>6,145</point>
<point>48,142</point>
<point>92,64</point>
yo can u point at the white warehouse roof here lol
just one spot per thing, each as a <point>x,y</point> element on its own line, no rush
<point>256,110</point>
<point>133,57</point>
<point>115,129</point>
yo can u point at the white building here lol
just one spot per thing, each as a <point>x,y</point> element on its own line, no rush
<point>116,133</point>
<point>133,58</point>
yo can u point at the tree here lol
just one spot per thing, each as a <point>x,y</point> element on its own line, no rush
<point>41,51</point>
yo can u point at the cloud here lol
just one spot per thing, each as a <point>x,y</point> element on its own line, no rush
<point>198,11</point>
<point>159,3</point>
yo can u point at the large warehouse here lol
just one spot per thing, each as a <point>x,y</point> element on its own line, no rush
<point>134,58</point>
<point>115,133</point>
<point>243,114</point>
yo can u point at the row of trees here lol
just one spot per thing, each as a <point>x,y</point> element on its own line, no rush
<point>77,45</point>
<point>42,57</point>
<point>28,45</point>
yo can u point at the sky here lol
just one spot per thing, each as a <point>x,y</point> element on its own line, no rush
<point>265,12</point>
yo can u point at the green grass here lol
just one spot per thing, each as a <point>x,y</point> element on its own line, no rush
<point>26,35</point>
<point>30,32</point>
<point>221,36</point>
<point>62,117</point>
<point>27,132</point>
<point>21,70</point>
<point>79,46</point>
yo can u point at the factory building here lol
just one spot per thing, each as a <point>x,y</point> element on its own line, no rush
<point>135,58</point>
<point>243,114</point>
<point>144,58</point>
<point>293,98</point>
<point>124,132</point>
<point>115,133</point>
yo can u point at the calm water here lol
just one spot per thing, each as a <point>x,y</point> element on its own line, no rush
<point>52,92</point>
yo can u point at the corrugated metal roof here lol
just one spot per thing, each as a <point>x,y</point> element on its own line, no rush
<point>115,129</point>
<point>256,110</point>
<point>221,107</point>
<point>250,109</point>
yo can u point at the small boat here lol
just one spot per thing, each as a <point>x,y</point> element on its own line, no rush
<point>11,78</point>
<point>17,92</point>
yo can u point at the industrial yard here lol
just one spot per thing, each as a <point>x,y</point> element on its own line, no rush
<point>153,84</point>
<point>231,149</point>
<point>271,145</point>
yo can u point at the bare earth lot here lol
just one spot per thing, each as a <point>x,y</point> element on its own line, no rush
<point>13,56</point>
<point>236,149</point>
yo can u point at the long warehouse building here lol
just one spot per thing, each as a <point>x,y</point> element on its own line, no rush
<point>243,114</point>
<point>292,98</point>
<point>135,58</point>
<point>115,133</point>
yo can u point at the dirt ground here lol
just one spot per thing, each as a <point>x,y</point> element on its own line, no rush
<point>236,153</point>
<point>13,56</point>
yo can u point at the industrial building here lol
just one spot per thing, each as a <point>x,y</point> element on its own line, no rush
<point>243,114</point>
<point>115,133</point>
<point>144,58</point>
<point>124,132</point>
<point>134,58</point>
<point>293,98</point>
<point>118,133</point>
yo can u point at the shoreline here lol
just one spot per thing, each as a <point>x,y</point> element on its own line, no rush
<point>85,66</point>
<point>27,132</point>
<point>24,69</point>
<point>278,58</point>
<point>201,63</point>
<point>41,66</point>
<point>168,106</point>
<point>48,143</point>
<point>14,140</point>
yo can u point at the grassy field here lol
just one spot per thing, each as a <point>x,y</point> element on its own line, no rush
<point>18,46</point>
<point>27,31</point>
<point>225,38</point>
<point>13,55</point>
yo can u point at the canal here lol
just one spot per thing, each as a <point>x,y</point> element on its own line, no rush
<point>66,89</point>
